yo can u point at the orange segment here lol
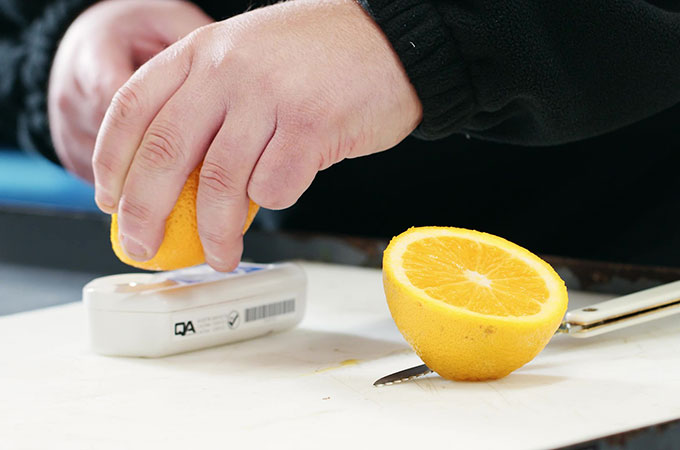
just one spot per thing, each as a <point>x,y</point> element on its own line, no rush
<point>475,276</point>
<point>472,305</point>
<point>181,246</point>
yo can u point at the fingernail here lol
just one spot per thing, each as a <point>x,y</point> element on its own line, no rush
<point>213,260</point>
<point>104,200</point>
<point>134,249</point>
<point>217,263</point>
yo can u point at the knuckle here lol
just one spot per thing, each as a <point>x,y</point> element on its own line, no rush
<point>218,181</point>
<point>103,165</point>
<point>137,212</point>
<point>211,237</point>
<point>338,150</point>
<point>193,39</point>
<point>224,65</point>
<point>125,103</point>
<point>162,148</point>
<point>305,119</point>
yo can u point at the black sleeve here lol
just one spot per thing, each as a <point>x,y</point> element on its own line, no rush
<point>29,34</point>
<point>532,72</point>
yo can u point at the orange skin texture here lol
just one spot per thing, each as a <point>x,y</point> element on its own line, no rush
<point>469,351</point>
<point>460,344</point>
<point>181,245</point>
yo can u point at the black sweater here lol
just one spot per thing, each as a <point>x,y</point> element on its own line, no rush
<point>514,72</point>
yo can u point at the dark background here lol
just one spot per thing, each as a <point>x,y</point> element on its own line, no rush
<point>611,198</point>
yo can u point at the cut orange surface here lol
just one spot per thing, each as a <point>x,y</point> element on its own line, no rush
<point>181,246</point>
<point>472,305</point>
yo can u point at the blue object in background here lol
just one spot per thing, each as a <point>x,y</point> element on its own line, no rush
<point>30,180</point>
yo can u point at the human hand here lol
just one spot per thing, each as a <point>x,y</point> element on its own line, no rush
<point>266,100</point>
<point>99,52</point>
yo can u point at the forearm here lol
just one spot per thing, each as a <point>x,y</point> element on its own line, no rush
<point>532,73</point>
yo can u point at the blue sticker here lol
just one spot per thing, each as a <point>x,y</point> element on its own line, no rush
<point>205,274</point>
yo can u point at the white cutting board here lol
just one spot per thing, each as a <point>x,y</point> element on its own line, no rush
<point>292,390</point>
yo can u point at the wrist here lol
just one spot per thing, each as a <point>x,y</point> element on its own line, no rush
<point>406,95</point>
<point>430,56</point>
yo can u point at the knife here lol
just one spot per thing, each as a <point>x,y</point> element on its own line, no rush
<point>593,320</point>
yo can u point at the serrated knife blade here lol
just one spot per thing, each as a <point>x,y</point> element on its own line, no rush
<point>403,375</point>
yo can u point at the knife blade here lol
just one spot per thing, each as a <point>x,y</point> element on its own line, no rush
<point>593,320</point>
<point>403,375</point>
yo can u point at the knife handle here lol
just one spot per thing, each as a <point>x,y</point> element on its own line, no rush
<point>621,312</point>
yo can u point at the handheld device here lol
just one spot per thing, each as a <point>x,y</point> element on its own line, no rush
<point>152,315</point>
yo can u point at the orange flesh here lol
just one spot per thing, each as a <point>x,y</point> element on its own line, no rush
<point>474,276</point>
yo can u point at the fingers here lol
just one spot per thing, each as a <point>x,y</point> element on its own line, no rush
<point>285,170</point>
<point>222,202</point>
<point>173,145</point>
<point>131,112</point>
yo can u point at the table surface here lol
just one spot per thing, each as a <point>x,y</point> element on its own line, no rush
<point>26,287</point>
<point>311,387</point>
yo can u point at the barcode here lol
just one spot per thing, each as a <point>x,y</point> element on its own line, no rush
<point>272,309</point>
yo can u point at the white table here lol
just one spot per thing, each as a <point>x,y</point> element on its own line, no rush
<point>312,387</point>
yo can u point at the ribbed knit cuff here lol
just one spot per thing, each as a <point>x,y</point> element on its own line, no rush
<point>432,61</point>
<point>42,39</point>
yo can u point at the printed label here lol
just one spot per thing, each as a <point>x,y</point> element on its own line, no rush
<point>231,318</point>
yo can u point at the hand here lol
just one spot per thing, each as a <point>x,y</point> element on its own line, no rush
<point>266,100</point>
<point>99,52</point>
